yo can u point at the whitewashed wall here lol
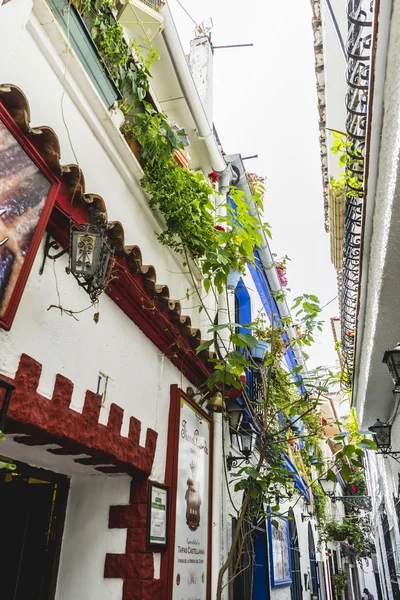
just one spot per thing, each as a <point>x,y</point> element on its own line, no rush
<point>140,375</point>
<point>50,81</point>
<point>87,538</point>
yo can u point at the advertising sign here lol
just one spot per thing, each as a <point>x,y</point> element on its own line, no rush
<point>191,546</point>
<point>157,519</point>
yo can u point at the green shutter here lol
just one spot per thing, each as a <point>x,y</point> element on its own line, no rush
<point>85,49</point>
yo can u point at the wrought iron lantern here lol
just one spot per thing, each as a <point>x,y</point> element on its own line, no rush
<point>245,438</point>
<point>382,433</point>
<point>392,359</point>
<point>90,256</point>
<point>328,486</point>
<point>307,513</point>
<point>355,502</point>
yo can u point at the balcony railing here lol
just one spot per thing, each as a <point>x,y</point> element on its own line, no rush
<point>359,14</point>
<point>154,4</point>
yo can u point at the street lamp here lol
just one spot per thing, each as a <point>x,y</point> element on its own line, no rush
<point>245,438</point>
<point>328,486</point>
<point>382,433</point>
<point>392,359</point>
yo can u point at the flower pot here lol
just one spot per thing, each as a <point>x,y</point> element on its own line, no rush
<point>181,158</point>
<point>232,393</point>
<point>135,147</point>
<point>233,279</point>
<point>339,537</point>
<point>260,350</point>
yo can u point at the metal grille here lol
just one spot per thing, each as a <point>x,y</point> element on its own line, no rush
<point>296,589</point>
<point>357,75</point>
<point>257,392</point>
<point>154,4</point>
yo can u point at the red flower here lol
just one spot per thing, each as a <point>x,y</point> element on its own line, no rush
<point>324,422</point>
<point>353,489</point>
<point>219,228</point>
<point>213,176</point>
<point>352,469</point>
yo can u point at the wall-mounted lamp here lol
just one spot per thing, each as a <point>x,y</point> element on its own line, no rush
<point>307,513</point>
<point>392,359</point>
<point>328,486</point>
<point>89,257</point>
<point>382,433</point>
<point>9,388</point>
<point>358,502</point>
<point>245,438</point>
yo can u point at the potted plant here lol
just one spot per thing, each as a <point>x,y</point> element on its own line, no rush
<point>231,393</point>
<point>258,353</point>
<point>335,530</point>
<point>339,581</point>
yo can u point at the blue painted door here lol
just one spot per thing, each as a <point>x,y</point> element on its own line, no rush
<point>260,580</point>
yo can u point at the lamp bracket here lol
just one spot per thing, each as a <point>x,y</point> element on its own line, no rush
<point>235,461</point>
<point>49,245</point>
<point>306,517</point>
<point>393,454</point>
<point>362,502</point>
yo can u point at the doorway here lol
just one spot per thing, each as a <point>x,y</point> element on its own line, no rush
<point>32,505</point>
<point>296,589</point>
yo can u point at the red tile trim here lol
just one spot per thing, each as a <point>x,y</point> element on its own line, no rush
<point>53,421</point>
<point>136,566</point>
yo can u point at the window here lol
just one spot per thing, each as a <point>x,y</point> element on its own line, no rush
<point>85,48</point>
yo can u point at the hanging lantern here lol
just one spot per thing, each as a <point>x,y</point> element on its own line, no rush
<point>382,433</point>
<point>89,257</point>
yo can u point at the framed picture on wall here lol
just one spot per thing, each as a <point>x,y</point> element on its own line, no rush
<point>279,551</point>
<point>28,190</point>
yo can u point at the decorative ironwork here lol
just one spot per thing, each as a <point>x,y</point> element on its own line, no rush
<point>49,245</point>
<point>359,502</point>
<point>90,257</point>
<point>256,391</point>
<point>235,461</point>
<point>357,75</point>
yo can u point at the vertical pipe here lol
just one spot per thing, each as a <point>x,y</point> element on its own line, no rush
<point>218,503</point>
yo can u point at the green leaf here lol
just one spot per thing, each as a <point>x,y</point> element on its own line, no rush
<point>244,339</point>
<point>204,346</point>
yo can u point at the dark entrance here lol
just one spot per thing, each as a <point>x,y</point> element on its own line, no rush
<point>32,505</point>
<point>313,565</point>
<point>296,589</point>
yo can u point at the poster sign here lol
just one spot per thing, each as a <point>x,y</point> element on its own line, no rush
<point>278,533</point>
<point>157,521</point>
<point>191,545</point>
<point>27,195</point>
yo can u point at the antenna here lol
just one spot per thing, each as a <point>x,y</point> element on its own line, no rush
<point>204,28</point>
<point>233,46</point>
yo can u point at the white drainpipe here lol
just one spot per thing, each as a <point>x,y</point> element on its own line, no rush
<point>204,128</point>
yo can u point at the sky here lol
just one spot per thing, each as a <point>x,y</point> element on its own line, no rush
<point>265,103</point>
